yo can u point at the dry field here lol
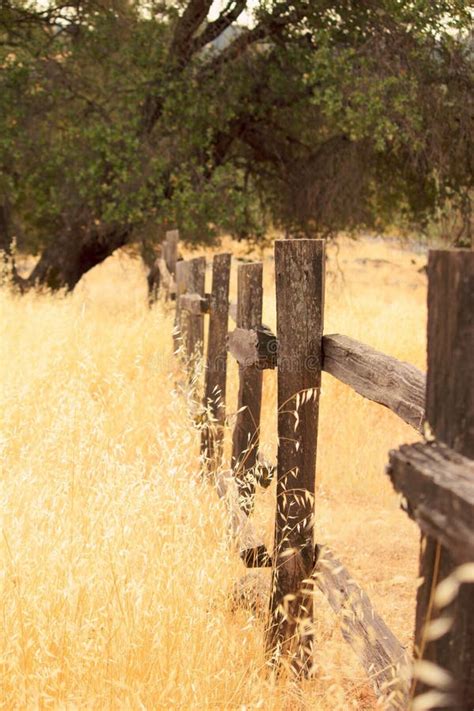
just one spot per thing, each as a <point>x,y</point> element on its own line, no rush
<point>116,575</point>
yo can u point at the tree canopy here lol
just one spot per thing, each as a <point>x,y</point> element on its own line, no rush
<point>122,116</point>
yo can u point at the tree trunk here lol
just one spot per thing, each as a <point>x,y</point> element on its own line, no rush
<point>71,255</point>
<point>9,270</point>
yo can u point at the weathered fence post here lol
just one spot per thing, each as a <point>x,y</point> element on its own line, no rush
<point>189,327</point>
<point>216,363</point>
<point>245,438</point>
<point>299,266</point>
<point>194,327</point>
<point>170,250</point>
<point>450,416</point>
<point>182,276</point>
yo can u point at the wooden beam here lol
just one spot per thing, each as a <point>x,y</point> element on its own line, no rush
<point>299,267</point>
<point>233,312</point>
<point>383,657</point>
<point>245,439</point>
<point>215,374</point>
<point>450,416</point>
<point>374,375</point>
<point>254,347</point>
<point>380,653</point>
<point>194,324</point>
<point>450,383</point>
<point>170,250</point>
<point>182,277</point>
<point>390,382</point>
<point>438,485</point>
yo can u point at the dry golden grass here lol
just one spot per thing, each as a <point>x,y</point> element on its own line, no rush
<point>116,573</point>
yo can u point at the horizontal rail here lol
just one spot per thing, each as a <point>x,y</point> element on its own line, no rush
<point>390,382</point>
<point>395,384</point>
<point>383,657</point>
<point>253,347</point>
<point>438,485</point>
<point>381,654</point>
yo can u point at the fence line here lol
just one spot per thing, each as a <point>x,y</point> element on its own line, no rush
<point>435,477</point>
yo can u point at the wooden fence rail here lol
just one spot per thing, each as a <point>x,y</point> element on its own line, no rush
<point>436,478</point>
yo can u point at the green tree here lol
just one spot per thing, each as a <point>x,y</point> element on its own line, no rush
<point>116,115</point>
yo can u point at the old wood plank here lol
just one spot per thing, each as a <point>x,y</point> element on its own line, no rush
<point>254,347</point>
<point>194,324</point>
<point>299,267</point>
<point>450,380</point>
<point>438,485</point>
<point>383,657</point>
<point>170,250</point>
<point>215,374</point>
<point>397,385</point>
<point>245,439</point>
<point>372,374</point>
<point>450,416</point>
<point>182,278</point>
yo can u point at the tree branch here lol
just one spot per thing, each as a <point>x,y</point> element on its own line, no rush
<point>271,26</point>
<point>192,18</point>
<point>214,29</point>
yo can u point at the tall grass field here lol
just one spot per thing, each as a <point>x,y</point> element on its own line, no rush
<point>116,573</point>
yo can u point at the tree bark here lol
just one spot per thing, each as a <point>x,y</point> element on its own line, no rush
<point>70,256</point>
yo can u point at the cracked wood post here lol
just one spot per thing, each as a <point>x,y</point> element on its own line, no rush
<point>450,416</point>
<point>299,266</point>
<point>216,363</point>
<point>245,437</point>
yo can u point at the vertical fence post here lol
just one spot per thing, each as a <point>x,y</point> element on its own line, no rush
<point>189,328</point>
<point>450,415</point>
<point>182,276</point>
<point>246,431</point>
<point>170,250</point>
<point>196,284</point>
<point>299,267</point>
<point>216,363</point>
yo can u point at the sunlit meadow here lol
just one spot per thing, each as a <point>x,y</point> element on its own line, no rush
<point>117,574</point>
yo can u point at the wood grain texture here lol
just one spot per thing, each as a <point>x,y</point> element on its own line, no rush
<point>383,657</point>
<point>299,267</point>
<point>215,375</point>
<point>254,347</point>
<point>182,278</point>
<point>397,385</point>
<point>438,485</point>
<point>245,439</point>
<point>450,415</point>
<point>450,382</point>
<point>194,324</point>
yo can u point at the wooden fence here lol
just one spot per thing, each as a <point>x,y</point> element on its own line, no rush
<point>435,477</point>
